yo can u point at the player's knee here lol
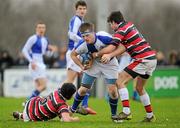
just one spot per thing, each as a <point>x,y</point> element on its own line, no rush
<point>82,90</point>
<point>70,80</point>
<point>113,92</point>
<point>139,89</point>
<point>120,84</point>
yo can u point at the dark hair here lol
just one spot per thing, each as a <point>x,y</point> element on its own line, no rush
<point>86,26</point>
<point>115,16</point>
<point>80,3</point>
<point>67,90</point>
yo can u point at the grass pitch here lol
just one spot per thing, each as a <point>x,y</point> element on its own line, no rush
<point>166,110</point>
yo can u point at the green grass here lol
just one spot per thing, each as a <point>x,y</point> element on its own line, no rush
<point>166,110</point>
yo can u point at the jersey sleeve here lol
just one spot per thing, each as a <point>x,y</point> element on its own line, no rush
<point>62,108</point>
<point>27,47</point>
<point>81,47</point>
<point>105,37</point>
<point>74,28</point>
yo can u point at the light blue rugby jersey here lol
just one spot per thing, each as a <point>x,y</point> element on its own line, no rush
<point>73,31</point>
<point>102,39</point>
<point>35,48</point>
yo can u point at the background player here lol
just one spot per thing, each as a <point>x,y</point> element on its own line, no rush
<point>34,49</point>
<point>74,37</point>
<point>127,38</point>
<point>93,42</point>
<point>43,109</point>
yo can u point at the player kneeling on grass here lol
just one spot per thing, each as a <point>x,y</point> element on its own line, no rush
<point>43,109</point>
<point>93,42</point>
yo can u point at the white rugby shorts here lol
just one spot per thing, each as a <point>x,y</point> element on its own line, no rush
<point>108,71</point>
<point>39,72</point>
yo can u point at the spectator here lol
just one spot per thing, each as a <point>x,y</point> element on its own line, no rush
<point>6,60</point>
<point>173,56</point>
<point>61,60</point>
<point>21,60</point>
<point>178,59</point>
<point>51,57</point>
<point>0,57</point>
<point>161,59</point>
<point>49,60</point>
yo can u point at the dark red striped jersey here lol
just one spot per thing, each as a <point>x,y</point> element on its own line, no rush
<point>42,109</point>
<point>134,42</point>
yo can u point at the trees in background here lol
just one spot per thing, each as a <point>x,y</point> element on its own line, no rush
<point>158,20</point>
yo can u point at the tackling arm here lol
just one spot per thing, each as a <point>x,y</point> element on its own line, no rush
<point>120,49</point>
<point>106,50</point>
<point>106,57</point>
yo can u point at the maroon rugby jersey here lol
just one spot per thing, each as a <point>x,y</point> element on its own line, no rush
<point>134,42</point>
<point>42,109</point>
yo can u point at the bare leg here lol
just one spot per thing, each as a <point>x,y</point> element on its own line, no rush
<point>71,76</point>
<point>40,84</point>
<point>135,93</point>
<point>144,97</point>
<point>122,81</point>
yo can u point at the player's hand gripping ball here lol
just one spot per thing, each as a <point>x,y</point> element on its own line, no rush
<point>87,60</point>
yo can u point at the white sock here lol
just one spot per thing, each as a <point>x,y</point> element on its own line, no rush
<point>124,95</point>
<point>146,101</point>
<point>149,115</point>
<point>126,110</point>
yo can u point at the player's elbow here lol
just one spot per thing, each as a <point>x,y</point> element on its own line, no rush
<point>113,47</point>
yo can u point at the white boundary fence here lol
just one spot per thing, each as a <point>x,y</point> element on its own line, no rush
<point>18,83</point>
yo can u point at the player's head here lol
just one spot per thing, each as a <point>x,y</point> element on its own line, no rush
<point>114,19</point>
<point>40,28</point>
<point>87,32</point>
<point>67,90</point>
<point>81,8</point>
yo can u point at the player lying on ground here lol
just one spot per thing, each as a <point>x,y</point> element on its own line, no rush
<point>43,109</point>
